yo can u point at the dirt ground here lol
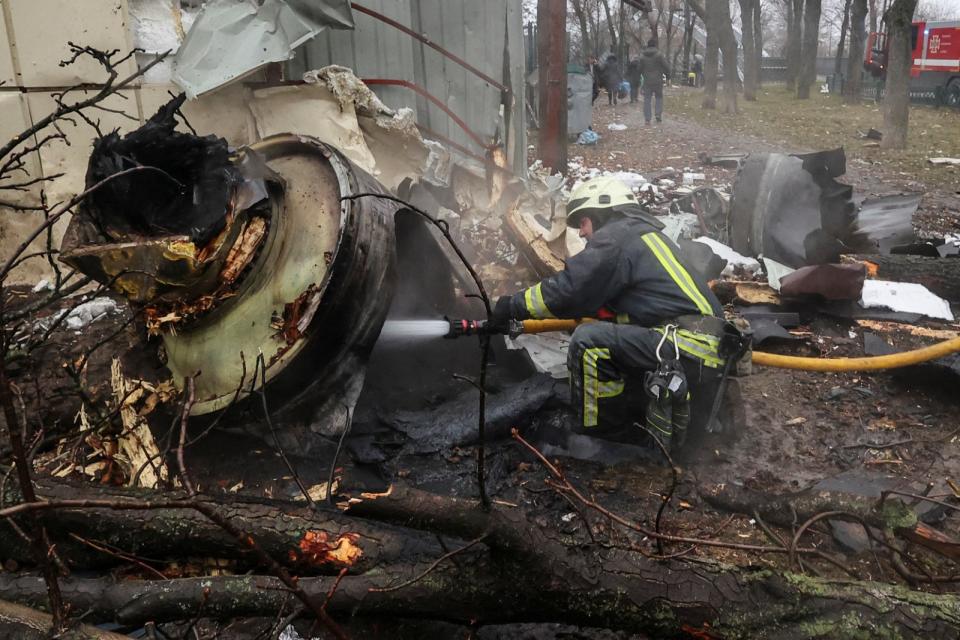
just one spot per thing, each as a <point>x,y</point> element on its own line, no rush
<point>688,131</point>
<point>859,433</point>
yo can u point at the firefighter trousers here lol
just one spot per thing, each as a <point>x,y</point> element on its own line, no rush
<point>607,364</point>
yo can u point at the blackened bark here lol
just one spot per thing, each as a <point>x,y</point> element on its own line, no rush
<point>171,534</point>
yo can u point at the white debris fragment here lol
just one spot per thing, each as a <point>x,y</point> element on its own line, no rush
<point>290,633</point>
<point>950,161</point>
<point>616,126</point>
<point>733,258</point>
<point>666,183</point>
<point>547,352</point>
<point>88,312</point>
<point>680,225</point>
<point>691,178</point>
<point>43,285</point>
<point>906,297</point>
<point>775,271</point>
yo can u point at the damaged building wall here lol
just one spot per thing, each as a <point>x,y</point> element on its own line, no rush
<point>34,39</point>
<point>478,32</point>
<point>245,112</point>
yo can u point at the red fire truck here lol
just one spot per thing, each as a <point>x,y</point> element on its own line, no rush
<point>936,59</point>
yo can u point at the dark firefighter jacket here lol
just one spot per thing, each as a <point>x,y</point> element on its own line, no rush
<point>630,269</point>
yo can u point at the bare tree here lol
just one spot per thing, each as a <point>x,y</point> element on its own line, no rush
<point>858,15</point>
<point>873,16</point>
<point>750,63</point>
<point>728,46</point>
<point>794,15</point>
<point>811,44</point>
<point>614,40</point>
<point>896,102</point>
<point>758,39</point>
<point>580,11</point>
<point>711,60</point>
<point>844,25</point>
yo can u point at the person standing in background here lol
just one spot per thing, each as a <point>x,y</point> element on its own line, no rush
<point>698,70</point>
<point>635,78</point>
<point>653,67</point>
<point>596,71</point>
<point>612,79</point>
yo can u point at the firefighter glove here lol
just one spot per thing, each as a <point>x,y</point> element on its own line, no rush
<point>501,315</point>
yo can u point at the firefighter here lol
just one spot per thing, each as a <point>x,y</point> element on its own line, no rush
<point>655,360</point>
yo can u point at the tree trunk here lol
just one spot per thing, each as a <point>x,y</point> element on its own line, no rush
<point>838,62</point>
<point>749,49</point>
<point>858,39</point>
<point>581,13</point>
<point>811,44</point>
<point>728,46</point>
<point>689,22</point>
<point>896,102</point>
<point>873,16</point>
<point>794,44</point>
<point>169,534</point>
<point>669,35</point>
<point>22,623</point>
<point>711,59</point>
<point>758,42</point>
<point>610,26</point>
<point>525,565</point>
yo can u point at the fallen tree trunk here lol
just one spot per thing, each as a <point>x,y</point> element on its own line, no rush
<point>20,622</point>
<point>314,542</point>
<point>940,275</point>
<point>527,569</point>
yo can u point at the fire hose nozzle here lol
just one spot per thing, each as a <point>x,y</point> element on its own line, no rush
<point>460,327</point>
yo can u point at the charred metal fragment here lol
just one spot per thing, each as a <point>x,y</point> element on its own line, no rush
<point>792,209</point>
<point>176,238</point>
<point>189,198</point>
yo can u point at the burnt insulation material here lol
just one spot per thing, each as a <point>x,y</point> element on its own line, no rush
<point>189,197</point>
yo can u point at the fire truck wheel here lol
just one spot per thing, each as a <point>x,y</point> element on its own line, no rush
<point>952,94</point>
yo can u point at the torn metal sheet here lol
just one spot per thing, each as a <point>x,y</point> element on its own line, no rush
<point>547,352</point>
<point>884,223</point>
<point>170,231</point>
<point>231,39</point>
<point>790,208</point>
<point>336,107</point>
<point>830,281</point>
<point>765,329</point>
<point>775,272</point>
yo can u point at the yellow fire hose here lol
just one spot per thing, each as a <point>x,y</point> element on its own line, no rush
<point>874,363</point>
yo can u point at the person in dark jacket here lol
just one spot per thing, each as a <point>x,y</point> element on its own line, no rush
<point>635,78</point>
<point>653,67</point>
<point>596,72</point>
<point>657,308</point>
<point>612,79</point>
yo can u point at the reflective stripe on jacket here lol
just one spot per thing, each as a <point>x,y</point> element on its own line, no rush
<point>633,270</point>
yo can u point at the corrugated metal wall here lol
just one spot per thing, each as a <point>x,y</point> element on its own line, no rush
<point>477,31</point>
